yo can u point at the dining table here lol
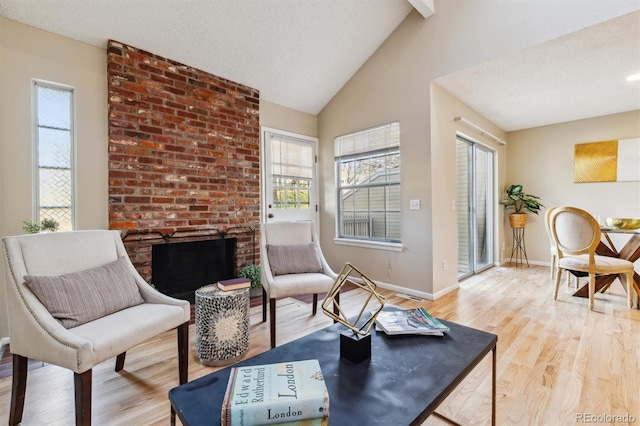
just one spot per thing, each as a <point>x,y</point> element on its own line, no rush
<point>630,251</point>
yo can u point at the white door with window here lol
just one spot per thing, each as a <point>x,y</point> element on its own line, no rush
<point>289,176</point>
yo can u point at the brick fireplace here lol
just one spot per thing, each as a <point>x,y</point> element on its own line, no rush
<point>184,155</point>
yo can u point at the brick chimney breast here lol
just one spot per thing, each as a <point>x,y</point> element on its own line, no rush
<point>184,150</point>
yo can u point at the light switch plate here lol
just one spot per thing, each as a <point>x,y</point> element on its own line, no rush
<point>414,204</point>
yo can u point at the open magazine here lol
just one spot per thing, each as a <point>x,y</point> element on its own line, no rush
<point>410,321</point>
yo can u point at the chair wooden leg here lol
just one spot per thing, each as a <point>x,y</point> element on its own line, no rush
<point>630,289</point>
<point>592,291</point>
<point>264,305</point>
<point>120,361</point>
<point>18,389</point>
<point>553,267</point>
<point>183,352</point>
<point>272,314</point>
<point>558,278</point>
<point>314,308</point>
<point>82,386</point>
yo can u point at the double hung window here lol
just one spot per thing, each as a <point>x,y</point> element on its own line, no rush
<point>368,179</point>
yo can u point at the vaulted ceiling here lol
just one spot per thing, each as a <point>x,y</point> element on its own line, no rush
<point>300,53</point>
<point>297,53</point>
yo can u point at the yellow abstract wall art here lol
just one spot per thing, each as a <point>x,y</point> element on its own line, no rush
<point>607,161</point>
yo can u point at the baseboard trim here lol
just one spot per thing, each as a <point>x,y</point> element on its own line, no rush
<point>505,262</point>
<point>417,293</point>
<point>447,290</point>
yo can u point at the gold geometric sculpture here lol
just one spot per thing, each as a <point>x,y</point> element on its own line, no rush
<point>368,285</point>
<point>595,162</point>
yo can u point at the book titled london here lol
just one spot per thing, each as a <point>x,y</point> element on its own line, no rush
<point>275,393</point>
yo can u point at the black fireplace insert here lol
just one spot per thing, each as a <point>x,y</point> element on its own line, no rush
<point>180,268</point>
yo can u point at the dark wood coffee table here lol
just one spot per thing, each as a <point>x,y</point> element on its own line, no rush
<point>403,383</point>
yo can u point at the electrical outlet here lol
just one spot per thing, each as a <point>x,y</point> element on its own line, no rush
<point>444,265</point>
<point>414,204</point>
<point>453,204</point>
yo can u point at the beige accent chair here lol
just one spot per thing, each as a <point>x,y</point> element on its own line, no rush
<point>35,333</point>
<point>279,285</point>
<point>576,235</point>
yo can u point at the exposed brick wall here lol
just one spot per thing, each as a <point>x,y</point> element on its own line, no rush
<point>183,151</point>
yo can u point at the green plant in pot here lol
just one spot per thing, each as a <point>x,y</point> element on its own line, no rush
<point>46,225</point>
<point>521,203</point>
<point>252,272</point>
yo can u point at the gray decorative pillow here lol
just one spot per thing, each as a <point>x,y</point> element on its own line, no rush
<point>80,297</point>
<point>293,259</point>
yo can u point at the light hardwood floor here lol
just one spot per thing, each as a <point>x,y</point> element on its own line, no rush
<point>556,359</point>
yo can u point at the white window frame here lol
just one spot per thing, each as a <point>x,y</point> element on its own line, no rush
<point>342,154</point>
<point>36,143</point>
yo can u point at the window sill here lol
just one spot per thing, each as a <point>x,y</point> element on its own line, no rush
<point>376,245</point>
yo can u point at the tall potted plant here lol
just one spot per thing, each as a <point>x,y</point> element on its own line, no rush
<point>521,203</point>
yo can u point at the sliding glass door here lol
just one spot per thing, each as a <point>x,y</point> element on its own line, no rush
<point>474,167</point>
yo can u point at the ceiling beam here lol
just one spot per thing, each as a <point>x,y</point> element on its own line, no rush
<point>424,7</point>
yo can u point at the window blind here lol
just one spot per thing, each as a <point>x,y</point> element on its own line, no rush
<point>371,140</point>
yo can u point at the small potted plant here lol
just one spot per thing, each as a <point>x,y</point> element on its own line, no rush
<point>252,272</point>
<point>46,225</point>
<point>521,203</point>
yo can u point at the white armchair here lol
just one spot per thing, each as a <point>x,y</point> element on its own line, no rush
<point>292,264</point>
<point>40,268</point>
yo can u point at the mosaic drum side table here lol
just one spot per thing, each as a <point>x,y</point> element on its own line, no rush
<point>222,325</point>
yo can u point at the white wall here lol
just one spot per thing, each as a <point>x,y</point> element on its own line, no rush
<point>395,85</point>
<point>444,108</point>
<point>278,117</point>
<point>541,159</point>
<point>28,54</point>
<point>4,326</point>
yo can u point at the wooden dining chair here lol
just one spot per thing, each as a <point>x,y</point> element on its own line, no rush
<point>576,235</point>
<point>553,250</point>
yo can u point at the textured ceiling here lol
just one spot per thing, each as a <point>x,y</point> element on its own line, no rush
<point>580,75</point>
<point>297,53</point>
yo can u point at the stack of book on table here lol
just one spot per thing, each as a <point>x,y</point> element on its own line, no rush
<point>234,284</point>
<point>410,321</point>
<point>287,393</point>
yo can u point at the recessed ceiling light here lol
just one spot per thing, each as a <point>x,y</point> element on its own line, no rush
<point>634,77</point>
